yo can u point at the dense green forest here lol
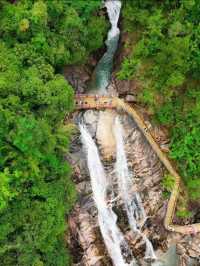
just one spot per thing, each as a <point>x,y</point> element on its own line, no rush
<point>37,39</point>
<point>165,58</point>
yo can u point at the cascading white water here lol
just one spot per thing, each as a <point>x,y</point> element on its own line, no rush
<point>115,242</point>
<point>103,69</point>
<point>113,9</point>
<point>131,199</point>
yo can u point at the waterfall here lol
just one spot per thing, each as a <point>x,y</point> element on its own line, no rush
<point>115,242</point>
<point>131,199</point>
<point>103,69</point>
<point>113,9</point>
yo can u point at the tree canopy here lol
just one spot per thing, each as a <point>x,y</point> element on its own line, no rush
<point>37,39</point>
<point>166,60</point>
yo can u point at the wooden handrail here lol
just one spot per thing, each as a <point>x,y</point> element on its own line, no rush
<point>168,221</point>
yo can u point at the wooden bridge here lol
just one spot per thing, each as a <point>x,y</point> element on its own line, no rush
<point>84,101</point>
<point>104,102</point>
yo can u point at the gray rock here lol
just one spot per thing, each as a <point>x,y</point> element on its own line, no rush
<point>192,262</point>
<point>170,258</point>
<point>131,98</point>
<point>90,118</point>
<point>84,187</point>
<point>77,76</point>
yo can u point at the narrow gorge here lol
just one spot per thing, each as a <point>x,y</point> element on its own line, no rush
<point>99,133</point>
<point>118,217</point>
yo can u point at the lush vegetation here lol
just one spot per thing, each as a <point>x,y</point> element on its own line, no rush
<point>165,58</point>
<point>37,39</point>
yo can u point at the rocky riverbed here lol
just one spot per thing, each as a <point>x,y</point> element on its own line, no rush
<point>85,240</point>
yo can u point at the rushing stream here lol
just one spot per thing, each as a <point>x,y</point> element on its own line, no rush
<point>112,228</point>
<point>103,69</point>
<point>115,242</point>
<point>131,198</point>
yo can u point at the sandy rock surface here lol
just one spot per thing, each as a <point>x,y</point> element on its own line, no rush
<point>171,249</point>
<point>105,135</point>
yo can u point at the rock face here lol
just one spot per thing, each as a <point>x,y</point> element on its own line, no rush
<point>170,258</point>
<point>105,135</point>
<point>91,118</point>
<point>123,88</point>
<point>77,76</point>
<point>171,249</point>
<point>130,98</point>
<point>83,234</point>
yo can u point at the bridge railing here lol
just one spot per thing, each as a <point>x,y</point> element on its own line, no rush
<point>94,102</point>
<point>97,102</point>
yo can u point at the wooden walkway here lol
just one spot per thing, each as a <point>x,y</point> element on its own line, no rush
<point>94,102</point>
<point>104,102</point>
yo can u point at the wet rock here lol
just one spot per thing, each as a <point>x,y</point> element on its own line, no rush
<point>105,135</point>
<point>194,251</point>
<point>77,76</point>
<point>180,249</point>
<point>152,201</point>
<point>147,174</point>
<point>193,262</point>
<point>84,188</point>
<point>125,87</point>
<point>90,118</point>
<point>111,89</point>
<point>170,258</point>
<point>79,165</point>
<point>130,98</point>
<point>187,246</point>
<point>82,230</point>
